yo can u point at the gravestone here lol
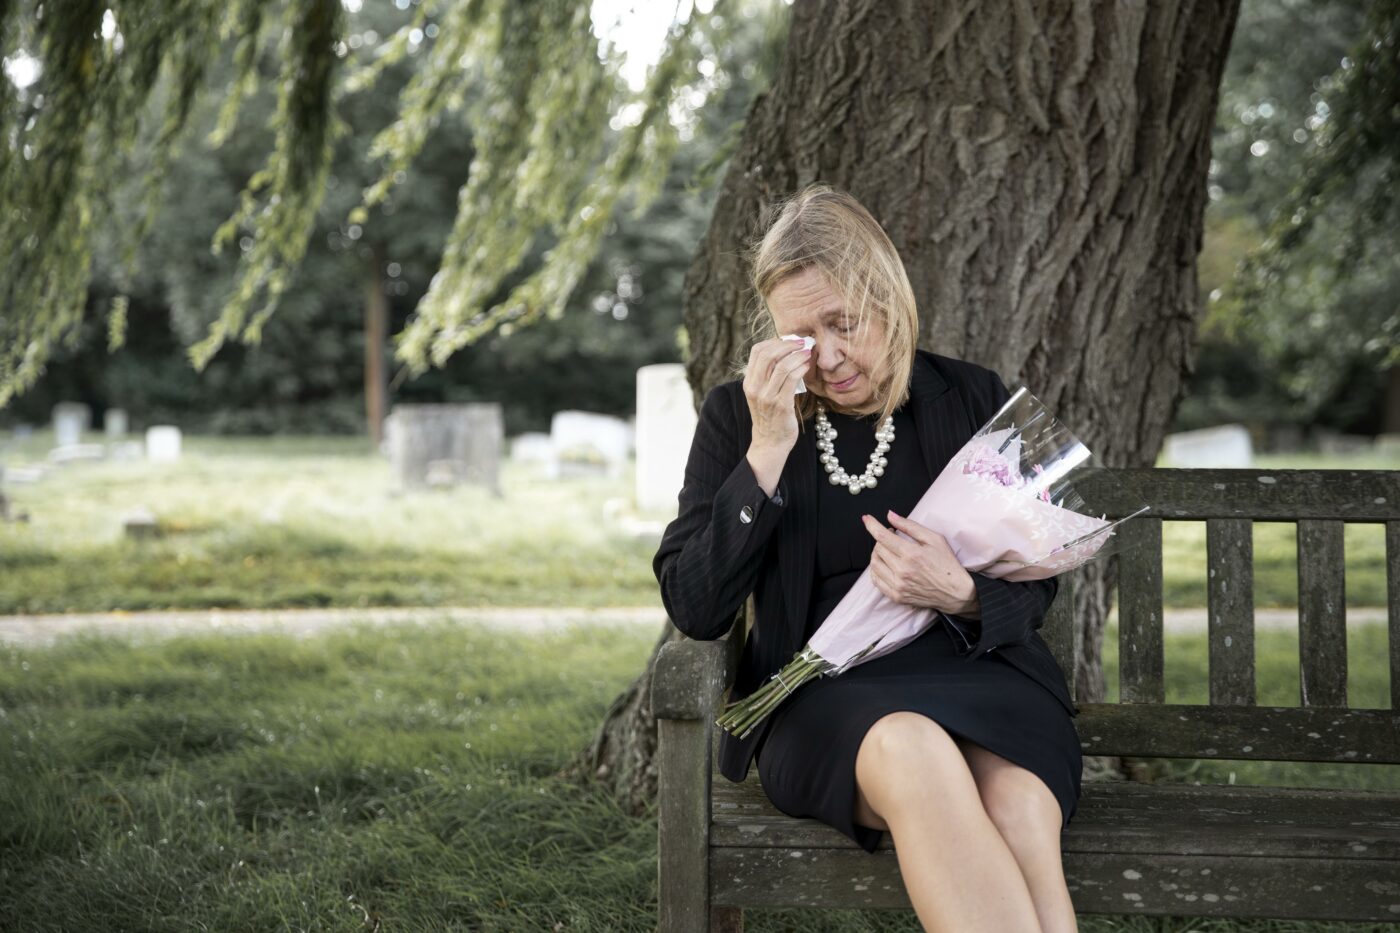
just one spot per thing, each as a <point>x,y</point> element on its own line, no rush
<point>140,522</point>
<point>114,423</point>
<point>532,447</point>
<point>163,443</point>
<point>69,453</point>
<point>589,444</point>
<point>1226,446</point>
<point>70,420</point>
<point>126,450</point>
<point>446,444</point>
<point>665,426</point>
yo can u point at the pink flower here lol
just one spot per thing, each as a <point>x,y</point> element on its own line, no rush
<point>993,466</point>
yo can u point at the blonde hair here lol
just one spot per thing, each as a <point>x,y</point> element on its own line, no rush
<point>824,227</point>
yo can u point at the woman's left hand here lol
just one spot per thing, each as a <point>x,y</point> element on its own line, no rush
<point>921,572</point>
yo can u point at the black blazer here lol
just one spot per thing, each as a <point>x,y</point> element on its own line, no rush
<point>730,540</point>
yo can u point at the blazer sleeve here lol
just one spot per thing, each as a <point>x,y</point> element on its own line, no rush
<point>708,559</point>
<point>1010,610</point>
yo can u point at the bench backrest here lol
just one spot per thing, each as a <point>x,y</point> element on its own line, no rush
<point>1229,501</point>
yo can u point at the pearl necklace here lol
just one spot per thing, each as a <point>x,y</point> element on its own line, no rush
<point>839,477</point>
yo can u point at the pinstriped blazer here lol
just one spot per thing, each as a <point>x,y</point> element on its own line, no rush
<point>730,539</point>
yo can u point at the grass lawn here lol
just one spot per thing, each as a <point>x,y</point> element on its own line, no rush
<point>398,779</point>
<point>292,522</point>
<point>287,522</point>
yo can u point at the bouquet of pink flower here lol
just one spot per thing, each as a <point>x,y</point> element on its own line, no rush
<point>1009,507</point>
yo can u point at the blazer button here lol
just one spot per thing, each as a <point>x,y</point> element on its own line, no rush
<point>746,514</point>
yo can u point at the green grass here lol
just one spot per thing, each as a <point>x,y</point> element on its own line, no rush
<point>269,523</point>
<point>297,522</point>
<point>259,782</point>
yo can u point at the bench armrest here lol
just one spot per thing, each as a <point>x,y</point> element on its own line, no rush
<point>690,676</point>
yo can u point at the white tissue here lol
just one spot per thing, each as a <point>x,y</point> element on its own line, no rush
<point>807,344</point>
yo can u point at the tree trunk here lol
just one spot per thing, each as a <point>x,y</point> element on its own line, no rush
<point>1041,168</point>
<point>376,335</point>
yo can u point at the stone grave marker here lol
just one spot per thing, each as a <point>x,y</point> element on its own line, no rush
<point>665,426</point>
<point>1225,446</point>
<point>70,420</point>
<point>589,444</point>
<point>114,423</point>
<point>163,443</point>
<point>445,444</point>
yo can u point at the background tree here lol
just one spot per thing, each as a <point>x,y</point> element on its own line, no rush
<point>1044,179</point>
<point>1306,333</point>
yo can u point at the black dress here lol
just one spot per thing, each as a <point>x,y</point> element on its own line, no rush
<point>806,761</point>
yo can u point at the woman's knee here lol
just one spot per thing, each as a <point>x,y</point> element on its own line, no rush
<point>901,754</point>
<point>1021,804</point>
<point>907,736</point>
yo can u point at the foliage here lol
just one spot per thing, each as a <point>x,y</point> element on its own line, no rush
<point>539,96</point>
<point>1304,174</point>
<point>304,375</point>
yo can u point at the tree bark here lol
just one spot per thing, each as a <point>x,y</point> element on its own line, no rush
<point>376,337</point>
<point>1041,168</point>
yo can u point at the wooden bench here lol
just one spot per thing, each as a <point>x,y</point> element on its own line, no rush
<point>1132,848</point>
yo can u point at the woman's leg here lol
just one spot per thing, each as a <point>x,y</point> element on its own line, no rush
<point>1028,816</point>
<point>960,875</point>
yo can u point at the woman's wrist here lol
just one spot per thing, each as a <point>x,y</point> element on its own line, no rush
<point>767,465</point>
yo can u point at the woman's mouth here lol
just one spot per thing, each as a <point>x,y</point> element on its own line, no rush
<point>843,386</point>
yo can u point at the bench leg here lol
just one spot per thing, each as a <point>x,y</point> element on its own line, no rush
<point>683,824</point>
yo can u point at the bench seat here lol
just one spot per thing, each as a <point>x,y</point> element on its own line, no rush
<point>1155,849</point>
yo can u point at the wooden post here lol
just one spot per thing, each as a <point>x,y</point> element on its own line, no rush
<point>687,684</point>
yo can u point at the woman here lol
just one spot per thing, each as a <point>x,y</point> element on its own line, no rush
<point>961,744</point>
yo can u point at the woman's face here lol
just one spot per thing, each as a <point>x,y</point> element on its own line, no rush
<point>842,362</point>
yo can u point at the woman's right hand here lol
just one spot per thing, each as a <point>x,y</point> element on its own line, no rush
<point>775,368</point>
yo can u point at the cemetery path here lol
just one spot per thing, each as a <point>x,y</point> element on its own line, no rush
<point>46,629</point>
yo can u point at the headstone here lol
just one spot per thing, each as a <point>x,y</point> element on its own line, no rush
<point>443,473</point>
<point>589,444</point>
<point>163,443</point>
<point>140,523</point>
<point>70,420</point>
<point>532,447</point>
<point>126,450</point>
<point>1226,446</point>
<point>471,435</point>
<point>28,474</point>
<point>71,452</point>
<point>114,423</point>
<point>665,426</point>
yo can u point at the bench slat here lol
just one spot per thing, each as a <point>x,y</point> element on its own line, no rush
<point>1371,818</point>
<point>1263,495</point>
<point>1059,630</point>
<point>1265,733</point>
<point>1202,850</point>
<point>1322,620</point>
<point>1230,597</point>
<point>1279,887</point>
<point>1140,610</point>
